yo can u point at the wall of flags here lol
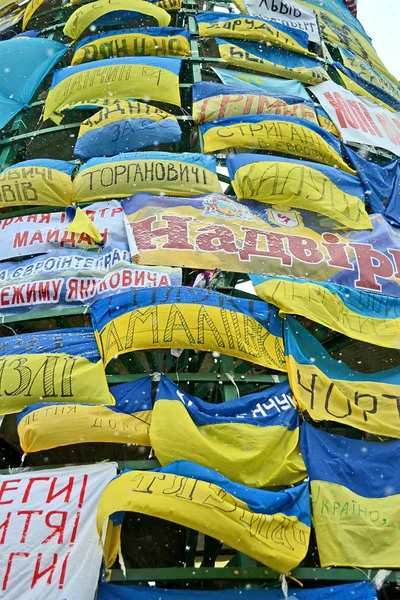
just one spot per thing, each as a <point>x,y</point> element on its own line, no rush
<point>200,285</point>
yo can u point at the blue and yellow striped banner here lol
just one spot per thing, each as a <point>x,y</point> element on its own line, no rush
<point>114,79</point>
<point>53,425</point>
<point>106,13</point>
<point>185,317</point>
<point>252,29</point>
<point>187,174</point>
<point>272,527</point>
<point>215,101</point>
<point>275,61</point>
<point>328,390</point>
<point>252,440</point>
<point>278,134</point>
<point>37,182</point>
<point>125,126</point>
<point>355,495</point>
<point>149,41</point>
<point>61,364</point>
<point>300,184</point>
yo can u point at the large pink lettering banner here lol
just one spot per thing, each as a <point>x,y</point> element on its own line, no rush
<point>50,549</point>
<point>358,119</point>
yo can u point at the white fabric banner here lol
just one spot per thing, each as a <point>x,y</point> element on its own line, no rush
<point>288,13</point>
<point>43,232</point>
<point>50,549</point>
<point>358,119</point>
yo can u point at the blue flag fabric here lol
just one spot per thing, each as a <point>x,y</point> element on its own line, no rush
<point>351,591</point>
<point>268,85</point>
<point>381,184</point>
<point>20,77</point>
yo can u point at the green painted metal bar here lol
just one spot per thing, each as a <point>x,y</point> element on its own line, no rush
<point>205,377</point>
<point>247,573</point>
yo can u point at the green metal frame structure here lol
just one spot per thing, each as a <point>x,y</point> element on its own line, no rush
<point>218,379</point>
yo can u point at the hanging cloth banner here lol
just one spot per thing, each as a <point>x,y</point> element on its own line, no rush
<point>252,440</point>
<point>214,101</point>
<point>103,12</point>
<point>252,29</point>
<point>328,390</point>
<point>275,61</point>
<point>53,425</point>
<point>66,279</point>
<point>355,494</point>
<point>40,56</point>
<point>325,122</point>
<point>50,546</point>
<point>346,32</point>
<point>149,41</point>
<point>61,364</point>
<point>153,172</point>
<point>300,184</point>
<point>38,182</point>
<point>271,86</point>
<point>272,527</point>
<point>125,126</point>
<point>381,184</point>
<point>354,591</point>
<point>359,120</point>
<point>276,134</point>
<point>44,232</point>
<point>303,247</point>
<point>378,87</point>
<point>286,12</point>
<point>192,318</point>
<point>364,316</point>
<point>30,9</point>
<point>114,78</point>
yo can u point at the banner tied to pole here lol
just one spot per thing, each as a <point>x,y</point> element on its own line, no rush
<point>50,546</point>
<point>62,365</point>
<point>185,317</point>
<point>272,527</point>
<point>355,496</point>
<point>252,440</point>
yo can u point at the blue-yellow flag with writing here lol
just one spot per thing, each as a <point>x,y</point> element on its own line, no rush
<point>355,495</point>
<point>54,425</point>
<point>188,317</point>
<point>252,440</point>
<point>330,391</point>
<point>272,527</point>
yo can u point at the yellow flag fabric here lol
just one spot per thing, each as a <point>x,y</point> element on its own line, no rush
<point>213,101</point>
<point>252,29</point>
<point>30,9</point>
<point>81,223</point>
<point>115,78</point>
<point>152,41</point>
<point>338,33</point>
<point>173,317</point>
<point>44,427</point>
<point>125,174</point>
<point>84,16</point>
<point>272,527</point>
<point>40,182</point>
<point>300,184</point>
<point>351,85</point>
<point>364,316</point>
<point>61,365</point>
<point>273,61</point>
<point>330,391</point>
<point>252,440</point>
<point>355,495</point>
<point>276,134</point>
